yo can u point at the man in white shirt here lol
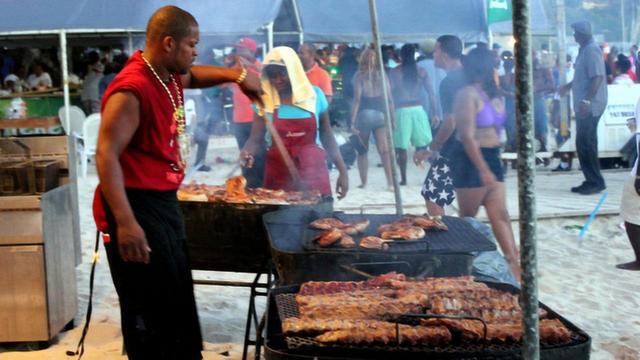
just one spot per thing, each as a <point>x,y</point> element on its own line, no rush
<point>40,79</point>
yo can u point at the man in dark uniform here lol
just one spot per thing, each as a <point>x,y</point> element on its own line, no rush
<point>140,161</point>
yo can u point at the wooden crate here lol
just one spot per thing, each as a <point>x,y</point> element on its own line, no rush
<point>16,178</point>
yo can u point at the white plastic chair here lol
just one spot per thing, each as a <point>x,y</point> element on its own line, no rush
<point>76,119</point>
<point>90,130</point>
<point>75,130</point>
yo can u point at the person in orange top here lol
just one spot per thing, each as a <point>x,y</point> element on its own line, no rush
<point>317,76</point>
<point>245,49</point>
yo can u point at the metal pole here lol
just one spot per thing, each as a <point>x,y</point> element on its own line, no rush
<point>622,24</point>
<point>296,11</point>
<point>130,43</point>
<point>270,36</point>
<point>65,78</point>
<point>387,111</point>
<point>73,164</point>
<point>562,60</point>
<point>526,176</point>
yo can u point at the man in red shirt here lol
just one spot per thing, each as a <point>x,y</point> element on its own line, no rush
<point>243,113</point>
<point>317,76</point>
<point>140,161</point>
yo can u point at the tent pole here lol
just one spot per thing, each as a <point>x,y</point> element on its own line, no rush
<point>526,177</point>
<point>562,59</point>
<point>387,111</point>
<point>65,77</point>
<point>296,11</point>
<point>73,164</point>
<point>130,42</point>
<point>269,36</point>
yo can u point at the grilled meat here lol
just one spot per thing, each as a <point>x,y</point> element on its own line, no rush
<point>373,242</point>
<point>378,310</point>
<point>403,233</point>
<point>326,224</point>
<point>328,237</point>
<point>363,312</point>
<point>361,225</point>
<point>309,326</point>
<point>551,331</point>
<point>346,241</point>
<point>409,335</point>
<point>427,222</point>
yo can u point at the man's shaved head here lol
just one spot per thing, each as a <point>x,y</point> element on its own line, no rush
<point>169,21</point>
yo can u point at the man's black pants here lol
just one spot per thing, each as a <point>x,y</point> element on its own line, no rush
<point>587,149</point>
<point>157,305</point>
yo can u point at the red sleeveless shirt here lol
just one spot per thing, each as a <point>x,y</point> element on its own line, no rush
<point>150,160</point>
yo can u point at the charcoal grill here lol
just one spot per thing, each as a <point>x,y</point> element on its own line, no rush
<point>231,237</point>
<point>444,253</point>
<point>281,304</point>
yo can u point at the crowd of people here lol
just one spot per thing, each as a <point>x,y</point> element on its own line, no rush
<point>92,74</point>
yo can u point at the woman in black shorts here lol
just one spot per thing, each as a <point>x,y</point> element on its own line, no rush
<point>476,168</point>
<point>367,115</point>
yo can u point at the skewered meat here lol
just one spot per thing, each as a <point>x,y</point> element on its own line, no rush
<point>326,224</point>
<point>404,233</point>
<point>373,242</point>
<point>328,237</point>
<point>346,241</point>
<point>410,335</point>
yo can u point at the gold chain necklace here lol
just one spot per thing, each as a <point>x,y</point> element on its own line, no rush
<point>178,114</point>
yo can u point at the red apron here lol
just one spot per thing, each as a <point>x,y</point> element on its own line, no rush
<point>299,138</point>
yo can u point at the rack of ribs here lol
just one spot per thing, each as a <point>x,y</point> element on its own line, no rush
<point>407,335</point>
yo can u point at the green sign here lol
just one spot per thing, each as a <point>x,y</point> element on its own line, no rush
<point>498,10</point>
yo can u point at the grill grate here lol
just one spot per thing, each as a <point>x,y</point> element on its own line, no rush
<point>287,307</point>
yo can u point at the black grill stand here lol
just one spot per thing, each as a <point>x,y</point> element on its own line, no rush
<point>257,289</point>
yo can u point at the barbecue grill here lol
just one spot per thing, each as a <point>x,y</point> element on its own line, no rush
<point>281,304</point>
<point>231,237</point>
<point>297,259</point>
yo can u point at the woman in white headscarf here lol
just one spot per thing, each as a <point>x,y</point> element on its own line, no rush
<point>299,114</point>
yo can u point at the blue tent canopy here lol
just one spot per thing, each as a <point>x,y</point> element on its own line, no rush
<point>400,20</point>
<point>241,17</point>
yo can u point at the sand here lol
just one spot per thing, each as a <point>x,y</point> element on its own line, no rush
<point>577,277</point>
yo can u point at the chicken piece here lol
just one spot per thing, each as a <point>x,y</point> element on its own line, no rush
<point>427,222</point>
<point>236,185</point>
<point>373,242</point>
<point>361,225</point>
<point>346,241</point>
<point>329,237</point>
<point>326,224</point>
<point>407,233</point>
<point>349,229</point>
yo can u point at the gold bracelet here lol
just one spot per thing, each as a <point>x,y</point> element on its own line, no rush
<point>243,75</point>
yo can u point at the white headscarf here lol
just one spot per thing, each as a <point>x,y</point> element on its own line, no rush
<point>302,93</point>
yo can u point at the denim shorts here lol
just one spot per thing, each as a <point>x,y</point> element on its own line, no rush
<point>464,172</point>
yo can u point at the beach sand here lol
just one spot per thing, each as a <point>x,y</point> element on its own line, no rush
<point>577,277</point>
